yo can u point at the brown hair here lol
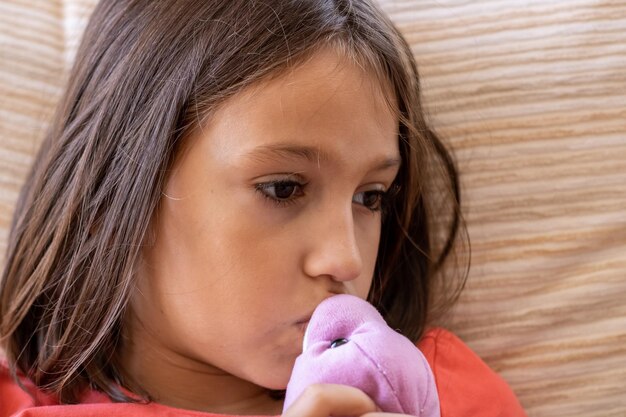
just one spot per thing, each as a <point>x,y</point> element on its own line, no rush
<point>146,74</point>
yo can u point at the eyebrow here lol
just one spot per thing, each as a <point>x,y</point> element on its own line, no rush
<point>314,155</point>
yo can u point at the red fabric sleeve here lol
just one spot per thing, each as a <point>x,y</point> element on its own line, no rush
<point>467,387</point>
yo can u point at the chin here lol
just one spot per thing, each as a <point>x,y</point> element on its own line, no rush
<point>277,381</point>
<point>273,371</point>
<point>276,378</point>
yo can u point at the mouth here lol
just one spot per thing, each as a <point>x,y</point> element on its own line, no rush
<point>302,325</point>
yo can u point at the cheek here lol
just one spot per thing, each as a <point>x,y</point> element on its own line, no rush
<point>368,235</point>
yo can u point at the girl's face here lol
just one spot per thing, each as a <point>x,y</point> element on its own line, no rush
<point>269,209</point>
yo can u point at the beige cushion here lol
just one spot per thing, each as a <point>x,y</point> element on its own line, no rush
<point>533,99</point>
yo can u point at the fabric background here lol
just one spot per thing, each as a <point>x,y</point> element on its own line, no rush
<point>532,96</point>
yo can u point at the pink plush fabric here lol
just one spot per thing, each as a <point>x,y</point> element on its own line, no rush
<point>348,342</point>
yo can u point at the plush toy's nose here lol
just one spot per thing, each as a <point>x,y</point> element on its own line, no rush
<point>338,342</point>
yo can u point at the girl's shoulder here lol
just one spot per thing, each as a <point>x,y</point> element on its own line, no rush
<point>16,397</point>
<point>465,384</point>
<point>31,402</point>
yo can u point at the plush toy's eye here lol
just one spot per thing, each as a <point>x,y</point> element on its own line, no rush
<point>338,342</point>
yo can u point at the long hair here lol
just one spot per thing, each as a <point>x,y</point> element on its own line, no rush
<point>147,73</point>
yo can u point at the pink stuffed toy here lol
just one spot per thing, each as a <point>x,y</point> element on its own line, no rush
<point>348,342</point>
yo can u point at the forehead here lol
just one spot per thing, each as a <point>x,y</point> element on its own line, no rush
<point>329,102</point>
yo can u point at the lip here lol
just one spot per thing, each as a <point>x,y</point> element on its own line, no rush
<point>303,322</point>
<point>302,325</point>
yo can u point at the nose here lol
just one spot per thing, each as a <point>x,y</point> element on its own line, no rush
<point>333,248</point>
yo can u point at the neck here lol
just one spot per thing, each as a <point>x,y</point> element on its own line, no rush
<point>177,380</point>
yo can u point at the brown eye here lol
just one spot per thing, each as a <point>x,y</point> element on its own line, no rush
<point>372,200</point>
<point>281,192</point>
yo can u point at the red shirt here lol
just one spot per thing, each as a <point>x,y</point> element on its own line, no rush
<point>466,387</point>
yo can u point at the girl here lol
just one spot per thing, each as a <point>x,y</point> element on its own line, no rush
<point>214,171</point>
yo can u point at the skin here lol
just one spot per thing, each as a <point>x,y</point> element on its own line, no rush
<point>221,293</point>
